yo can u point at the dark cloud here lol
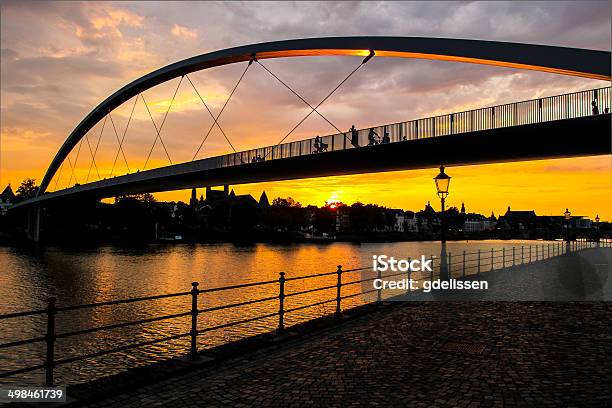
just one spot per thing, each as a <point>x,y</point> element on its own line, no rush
<point>60,59</point>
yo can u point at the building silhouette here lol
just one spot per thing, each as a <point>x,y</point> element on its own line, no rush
<point>7,198</point>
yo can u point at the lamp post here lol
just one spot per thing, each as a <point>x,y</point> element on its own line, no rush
<point>568,219</point>
<point>597,230</point>
<point>442,182</point>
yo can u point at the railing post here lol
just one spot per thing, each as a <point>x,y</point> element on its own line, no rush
<point>193,354</point>
<point>464,263</point>
<point>432,268</point>
<point>379,291</point>
<point>449,264</point>
<point>338,292</point>
<point>492,252</point>
<point>478,269</point>
<point>503,257</point>
<point>281,302</point>
<point>529,253</point>
<point>50,341</point>
<point>522,255</point>
<point>409,274</point>
<point>539,120</point>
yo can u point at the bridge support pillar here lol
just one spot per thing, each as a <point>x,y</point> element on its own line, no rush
<point>33,226</point>
<point>36,230</point>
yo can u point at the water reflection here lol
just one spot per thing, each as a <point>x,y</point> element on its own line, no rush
<point>77,276</point>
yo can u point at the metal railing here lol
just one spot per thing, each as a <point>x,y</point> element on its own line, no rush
<point>468,263</point>
<point>465,263</point>
<point>546,109</point>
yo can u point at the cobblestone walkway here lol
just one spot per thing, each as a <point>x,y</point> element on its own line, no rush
<point>419,355</point>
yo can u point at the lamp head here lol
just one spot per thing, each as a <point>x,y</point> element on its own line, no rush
<point>442,182</point>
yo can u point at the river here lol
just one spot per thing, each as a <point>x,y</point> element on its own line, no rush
<point>88,275</point>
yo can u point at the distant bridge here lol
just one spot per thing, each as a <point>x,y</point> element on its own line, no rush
<point>557,126</point>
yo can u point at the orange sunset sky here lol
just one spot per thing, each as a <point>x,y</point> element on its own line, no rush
<point>60,59</point>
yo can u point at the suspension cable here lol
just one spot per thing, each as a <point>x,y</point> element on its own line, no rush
<point>93,153</point>
<point>211,114</point>
<point>117,136</point>
<point>75,163</point>
<point>298,95</point>
<point>69,162</point>
<point>59,175</point>
<point>222,109</point>
<point>154,125</point>
<point>162,125</point>
<point>99,138</point>
<point>362,63</point>
<point>123,137</point>
<point>93,161</point>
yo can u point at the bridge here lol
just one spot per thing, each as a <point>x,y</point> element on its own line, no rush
<point>534,129</point>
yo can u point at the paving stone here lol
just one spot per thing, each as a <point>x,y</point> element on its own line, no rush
<point>397,357</point>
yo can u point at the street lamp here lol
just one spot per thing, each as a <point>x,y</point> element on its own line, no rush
<point>568,217</point>
<point>442,181</point>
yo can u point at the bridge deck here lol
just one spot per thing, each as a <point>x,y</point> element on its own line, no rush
<point>552,127</point>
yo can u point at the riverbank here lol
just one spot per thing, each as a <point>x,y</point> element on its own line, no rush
<point>108,273</point>
<point>285,238</point>
<point>403,354</point>
<point>434,354</point>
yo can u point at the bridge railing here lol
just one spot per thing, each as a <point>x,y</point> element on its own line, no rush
<point>558,107</point>
<point>550,108</point>
<point>284,297</point>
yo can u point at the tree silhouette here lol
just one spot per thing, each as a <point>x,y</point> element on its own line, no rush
<point>27,189</point>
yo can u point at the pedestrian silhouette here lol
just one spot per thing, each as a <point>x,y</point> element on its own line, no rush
<point>386,138</point>
<point>322,145</point>
<point>372,137</point>
<point>319,145</point>
<point>607,110</point>
<point>354,136</point>
<point>595,108</point>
